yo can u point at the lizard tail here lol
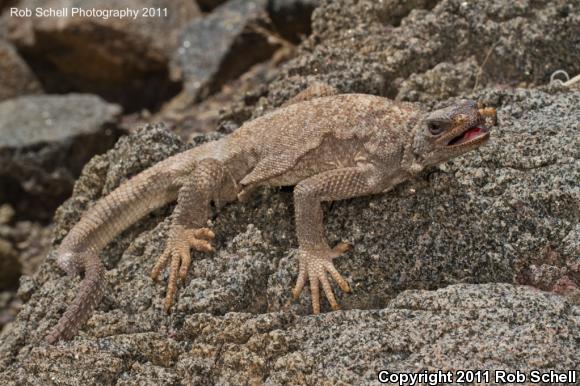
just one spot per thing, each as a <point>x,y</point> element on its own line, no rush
<point>106,219</point>
<point>90,294</point>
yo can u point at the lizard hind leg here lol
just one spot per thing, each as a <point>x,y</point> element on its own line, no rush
<point>188,229</point>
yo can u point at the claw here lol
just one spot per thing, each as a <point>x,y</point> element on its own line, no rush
<point>179,243</point>
<point>316,268</point>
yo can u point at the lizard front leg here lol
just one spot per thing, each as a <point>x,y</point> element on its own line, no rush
<point>314,255</point>
<point>188,224</point>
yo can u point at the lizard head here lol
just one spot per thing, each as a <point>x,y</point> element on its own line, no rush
<point>450,132</point>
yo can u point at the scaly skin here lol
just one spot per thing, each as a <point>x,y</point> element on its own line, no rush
<point>331,147</point>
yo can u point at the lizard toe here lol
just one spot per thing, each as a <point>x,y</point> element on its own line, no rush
<point>184,266</point>
<point>328,291</point>
<point>341,281</point>
<point>199,239</point>
<point>203,233</point>
<point>201,245</point>
<point>159,265</point>
<point>339,249</point>
<point>172,281</point>
<point>313,275</point>
<point>300,282</point>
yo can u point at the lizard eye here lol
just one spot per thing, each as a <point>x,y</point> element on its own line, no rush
<point>434,128</point>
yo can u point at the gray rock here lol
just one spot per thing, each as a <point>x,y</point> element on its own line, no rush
<point>441,82</point>
<point>221,46</point>
<point>506,215</point>
<point>124,60</point>
<point>16,78</point>
<point>485,217</point>
<point>376,46</point>
<point>46,140</point>
<point>494,326</point>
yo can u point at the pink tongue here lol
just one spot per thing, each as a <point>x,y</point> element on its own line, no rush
<point>472,133</point>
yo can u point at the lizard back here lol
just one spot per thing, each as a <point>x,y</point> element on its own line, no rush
<point>285,136</point>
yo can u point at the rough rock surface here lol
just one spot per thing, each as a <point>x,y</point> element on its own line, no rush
<point>123,60</point>
<point>441,82</point>
<point>487,217</point>
<point>16,78</point>
<point>220,47</point>
<point>23,247</point>
<point>476,264</point>
<point>44,142</point>
<point>376,46</point>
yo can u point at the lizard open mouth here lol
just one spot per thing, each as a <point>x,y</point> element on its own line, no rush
<point>470,135</point>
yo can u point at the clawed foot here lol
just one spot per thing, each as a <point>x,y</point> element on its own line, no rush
<point>177,249</point>
<point>315,265</point>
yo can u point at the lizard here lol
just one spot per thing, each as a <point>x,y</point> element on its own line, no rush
<point>329,146</point>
